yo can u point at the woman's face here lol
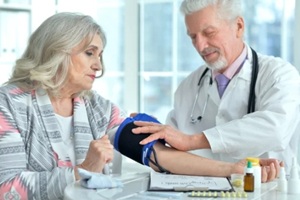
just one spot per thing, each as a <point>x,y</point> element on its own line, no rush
<point>84,66</point>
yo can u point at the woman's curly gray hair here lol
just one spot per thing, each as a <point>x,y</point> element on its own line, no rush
<point>47,57</point>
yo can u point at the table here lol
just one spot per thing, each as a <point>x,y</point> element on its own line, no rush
<point>136,181</point>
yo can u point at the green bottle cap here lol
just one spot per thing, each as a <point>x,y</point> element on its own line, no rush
<point>249,167</point>
<point>249,164</point>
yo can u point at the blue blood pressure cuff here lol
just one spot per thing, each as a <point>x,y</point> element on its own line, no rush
<point>127,143</point>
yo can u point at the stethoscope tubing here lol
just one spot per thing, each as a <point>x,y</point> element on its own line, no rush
<point>251,100</point>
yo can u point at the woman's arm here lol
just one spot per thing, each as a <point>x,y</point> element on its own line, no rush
<point>180,162</point>
<point>185,163</point>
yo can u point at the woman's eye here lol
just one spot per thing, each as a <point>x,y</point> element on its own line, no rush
<point>89,53</point>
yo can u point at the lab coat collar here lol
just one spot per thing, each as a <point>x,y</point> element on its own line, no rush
<point>244,73</point>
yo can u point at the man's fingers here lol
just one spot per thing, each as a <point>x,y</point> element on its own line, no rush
<point>150,138</point>
<point>144,130</point>
<point>133,114</point>
<point>144,123</point>
<point>149,128</point>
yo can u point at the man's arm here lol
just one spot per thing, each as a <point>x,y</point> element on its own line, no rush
<point>173,137</point>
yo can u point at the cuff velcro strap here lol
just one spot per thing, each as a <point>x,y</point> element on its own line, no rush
<point>147,150</point>
<point>127,143</point>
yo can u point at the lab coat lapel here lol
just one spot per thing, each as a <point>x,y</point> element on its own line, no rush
<point>246,70</point>
<point>213,93</point>
<point>244,74</point>
<point>232,100</point>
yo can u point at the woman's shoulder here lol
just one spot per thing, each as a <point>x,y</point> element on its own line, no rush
<point>12,96</point>
<point>13,90</point>
<point>95,97</point>
<point>97,103</point>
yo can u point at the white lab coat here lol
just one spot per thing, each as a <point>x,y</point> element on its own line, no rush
<point>271,131</point>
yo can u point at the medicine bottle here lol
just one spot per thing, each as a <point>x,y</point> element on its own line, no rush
<point>294,180</point>
<point>249,178</point>
<point>282,182</point>
<point>256,171</point>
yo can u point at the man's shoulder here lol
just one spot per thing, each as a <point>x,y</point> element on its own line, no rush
<point>272,60</point>
<point>272,63</point>
<point>193,77</point>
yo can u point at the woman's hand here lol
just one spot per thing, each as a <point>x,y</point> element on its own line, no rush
<point>270,168</point>
<point>100,152</point>
<point>239,167</point>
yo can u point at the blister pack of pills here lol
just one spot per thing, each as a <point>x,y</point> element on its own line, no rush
<point>222,194</point>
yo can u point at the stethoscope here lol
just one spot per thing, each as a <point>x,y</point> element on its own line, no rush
<point>251,100</point>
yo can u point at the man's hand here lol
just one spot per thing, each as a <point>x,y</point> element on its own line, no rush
<point>173,137</point>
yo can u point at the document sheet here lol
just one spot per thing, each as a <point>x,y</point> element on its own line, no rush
<point>160,181</point>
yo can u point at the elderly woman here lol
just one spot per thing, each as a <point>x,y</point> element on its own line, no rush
<point>52,123</point>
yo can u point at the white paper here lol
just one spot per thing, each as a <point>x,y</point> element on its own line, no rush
<point>160,181</point>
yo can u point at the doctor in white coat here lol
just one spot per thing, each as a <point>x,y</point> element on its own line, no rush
<point>223,126</point>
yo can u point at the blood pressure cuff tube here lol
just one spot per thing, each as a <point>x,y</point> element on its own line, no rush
<point>127,143</point>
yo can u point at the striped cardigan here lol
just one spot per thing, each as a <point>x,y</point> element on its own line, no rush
<point>30,138</point>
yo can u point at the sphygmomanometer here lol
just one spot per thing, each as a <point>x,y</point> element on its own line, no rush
<point>127,143</point>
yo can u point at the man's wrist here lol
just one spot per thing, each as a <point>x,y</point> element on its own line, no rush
<point>199,141</point>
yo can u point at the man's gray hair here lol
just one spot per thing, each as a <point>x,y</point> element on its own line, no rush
<point>227,9</point>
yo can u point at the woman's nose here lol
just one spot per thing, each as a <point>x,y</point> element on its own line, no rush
<point>97,66</point>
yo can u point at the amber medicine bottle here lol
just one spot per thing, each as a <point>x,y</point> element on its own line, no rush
<point>249,178</point>
<point>256,171</point>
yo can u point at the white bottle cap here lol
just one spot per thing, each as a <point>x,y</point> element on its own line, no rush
<point>282,182</point>
<point>294,181</point>
<point>294,170</point>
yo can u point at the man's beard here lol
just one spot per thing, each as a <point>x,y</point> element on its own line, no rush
<point>218,65</point>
